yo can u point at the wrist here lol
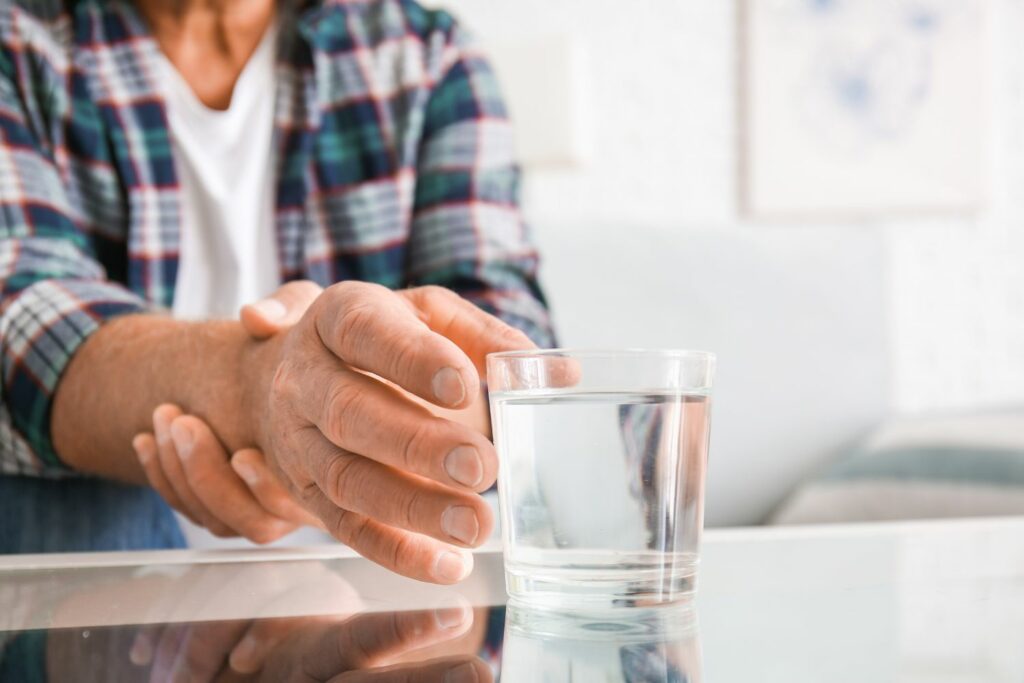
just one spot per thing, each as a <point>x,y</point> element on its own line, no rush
<point>218,392</point>
<point>257,364</point>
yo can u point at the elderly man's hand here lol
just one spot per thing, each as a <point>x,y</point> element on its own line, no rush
<point>240,495</point>
<point>228,494</point>
<point>383,473</point>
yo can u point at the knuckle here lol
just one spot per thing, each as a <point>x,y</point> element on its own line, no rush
<point>342,475</point>
<point>403,357</point>
<point>353,530</point>
<point>410,517</point>
<point>401,551</point>
<point>302,287</point>
<point>343,529</point>
<point>430,299</point>
<point>344,291</point>
<point>355,323</point>
<point>435,293</point>
<point>308,495</point>
<point>343,405</point>
<point>417,442</point>
<point>282,384</point>
<point>351,293</point>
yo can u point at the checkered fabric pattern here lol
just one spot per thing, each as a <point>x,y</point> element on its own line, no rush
<point>394,159</point>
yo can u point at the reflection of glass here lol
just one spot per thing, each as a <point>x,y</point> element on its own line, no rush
<point>654,645</point>
<point>603,457</point>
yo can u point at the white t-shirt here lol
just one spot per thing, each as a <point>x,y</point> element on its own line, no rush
<point>225,168</point>
<point>225,165</point>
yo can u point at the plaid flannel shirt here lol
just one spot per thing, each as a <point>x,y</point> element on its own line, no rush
<point>394,162</point>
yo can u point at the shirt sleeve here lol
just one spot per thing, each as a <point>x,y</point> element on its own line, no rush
<point>468,233</point>
<point>53,292</point>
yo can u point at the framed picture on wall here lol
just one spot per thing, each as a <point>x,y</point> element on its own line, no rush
<point>862,106</point>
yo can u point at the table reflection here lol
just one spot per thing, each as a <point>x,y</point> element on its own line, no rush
<point>450,644</point>
<point>657,645</point>
<point>413,647</point>
<point>316,621</point>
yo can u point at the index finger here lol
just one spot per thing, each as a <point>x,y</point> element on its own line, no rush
<point>371,328</point>
<point>475,331</point>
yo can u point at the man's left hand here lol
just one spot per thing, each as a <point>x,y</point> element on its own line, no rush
<point>228,494</point>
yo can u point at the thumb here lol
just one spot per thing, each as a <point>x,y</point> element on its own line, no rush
<point>281,309</point>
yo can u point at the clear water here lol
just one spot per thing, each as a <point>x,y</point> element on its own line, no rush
<point>602,494</point>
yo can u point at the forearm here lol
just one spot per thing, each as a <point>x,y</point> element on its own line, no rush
<point>133,364</point>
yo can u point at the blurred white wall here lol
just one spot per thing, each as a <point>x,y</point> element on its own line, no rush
<point>796,316</point>
<point>821,329</point>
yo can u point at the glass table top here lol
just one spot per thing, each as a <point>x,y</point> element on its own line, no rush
<point>909,602</point>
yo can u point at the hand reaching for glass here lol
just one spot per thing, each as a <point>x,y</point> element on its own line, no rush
<point>338,403</point>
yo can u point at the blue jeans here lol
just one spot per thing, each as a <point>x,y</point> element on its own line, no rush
<point>81,515</point>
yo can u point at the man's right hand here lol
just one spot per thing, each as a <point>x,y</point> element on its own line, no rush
<point>383,474</point>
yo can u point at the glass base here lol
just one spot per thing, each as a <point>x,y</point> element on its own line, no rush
<point>588,588</point>
<point>620,626</point>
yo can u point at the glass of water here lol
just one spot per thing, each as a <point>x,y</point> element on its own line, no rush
<point>601,480</point>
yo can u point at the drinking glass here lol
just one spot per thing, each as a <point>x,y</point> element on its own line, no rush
<point>601,479</point>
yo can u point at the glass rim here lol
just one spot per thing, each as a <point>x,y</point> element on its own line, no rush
<point>597,352</point>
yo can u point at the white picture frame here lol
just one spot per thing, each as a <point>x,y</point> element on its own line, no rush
<point>852,107</point>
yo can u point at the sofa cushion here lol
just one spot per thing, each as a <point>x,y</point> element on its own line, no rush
<point>954,466</point>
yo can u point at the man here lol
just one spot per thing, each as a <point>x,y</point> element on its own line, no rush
<point>194,155</point>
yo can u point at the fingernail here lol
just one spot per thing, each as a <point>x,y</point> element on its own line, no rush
<point>183,440</point>
<point>451,617</point>
<point>271,309</point>
<point>448,386</point>
<point>463,673</point>
<point>246,472</point>
<point>142,651</point>
<point>242,654</point>
<point>451,567</point>
<point>143,454</point>
<point>464,466</point>
<point>460,523</point>
<point>161,427</point>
